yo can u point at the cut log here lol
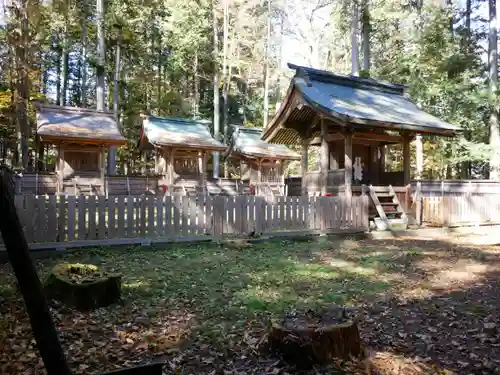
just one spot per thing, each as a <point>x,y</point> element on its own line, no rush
<point>82,286</point>
<point>315,338</point>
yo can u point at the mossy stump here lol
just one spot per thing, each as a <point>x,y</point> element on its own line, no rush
<point>315,338</point>
<point>82,286</point>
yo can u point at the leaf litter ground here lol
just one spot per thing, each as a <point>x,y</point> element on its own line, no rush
<point>424,307</point>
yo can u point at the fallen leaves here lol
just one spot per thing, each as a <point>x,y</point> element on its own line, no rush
<point>193,309</point>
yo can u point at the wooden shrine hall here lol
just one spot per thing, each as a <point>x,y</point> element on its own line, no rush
<point>261,163</point>
<point>352,120</point>
<point>181,148</point>
<point>82,137</point>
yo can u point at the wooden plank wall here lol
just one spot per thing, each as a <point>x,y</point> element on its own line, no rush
<point>48,219</point>
<point>46,183</point>
<point>457,187</point>
<point>461,210</point>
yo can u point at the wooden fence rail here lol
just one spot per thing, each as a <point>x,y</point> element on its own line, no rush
<point>62,219</point>
<point>461,210</point>
<point>456,187</point>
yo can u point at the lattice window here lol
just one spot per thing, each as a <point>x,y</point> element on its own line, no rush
<point>186,166</point>
<point>271,174</point>
<point>82,161</point>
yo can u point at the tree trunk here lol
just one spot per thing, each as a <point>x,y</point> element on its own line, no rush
<point>493,78</point>
<point>266,66</point>
<point>216,103</point>
<point>159,86</point>
<point>64,69</point>
<point>83,56</point>
<point>16,154</point>
<point>58,70</point>
<point>101,56</point>
<point>196,106</point>
<point>225,104</point>
<point>468,11</point>
<point>116,100</point>
<point>225,94</point>
<point>22,87</point>
<point>45,74</point>
<point>280,60</point>
<point>354,40</point>
<point>366,37</point>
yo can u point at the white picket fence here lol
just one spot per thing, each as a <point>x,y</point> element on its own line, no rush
<point>461,210</point>
<point>97,220</point>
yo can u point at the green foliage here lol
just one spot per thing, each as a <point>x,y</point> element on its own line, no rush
<point>445,79</point>
<point>168,61</point>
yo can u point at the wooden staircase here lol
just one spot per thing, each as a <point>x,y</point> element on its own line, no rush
<point>388,213</point>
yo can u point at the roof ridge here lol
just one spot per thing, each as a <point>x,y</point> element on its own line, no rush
<point>180,120</point>
<point>345,80</point>
<point>54,107</point>
<point>250,130</point>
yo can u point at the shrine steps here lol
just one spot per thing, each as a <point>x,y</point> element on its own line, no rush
<point>388,213</point>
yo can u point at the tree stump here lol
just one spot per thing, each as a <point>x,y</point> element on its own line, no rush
<point>82,286</point>
<point>312,338</point>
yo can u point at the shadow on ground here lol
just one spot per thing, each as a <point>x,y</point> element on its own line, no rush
<point>422,305</point>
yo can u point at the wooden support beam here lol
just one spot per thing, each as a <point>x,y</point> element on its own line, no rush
<point>42,325</point>
<point>201,168</point>
<point>205,164</point>
<point>419,149</point>
<point>324,162</point>
<point>281,170</point>
<point>170,170</point>
<point>60,168</point>
<point>374,166</point>
<point>259,176</point>
<point>381,164</point>
<point>102,168</point>
<point>304,163</point>
<point>406,160</point>
<point>348,163</point>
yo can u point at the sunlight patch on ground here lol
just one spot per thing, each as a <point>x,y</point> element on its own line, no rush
<point>350,245</point>
<point>462,272</point>
<point>350,266</point>
<point>388,363</point>
<point>160,335</point>
<point>136,284</point>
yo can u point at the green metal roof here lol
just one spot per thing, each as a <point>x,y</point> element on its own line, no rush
<point>247,142</point>
<point>367,99</point>
<point>356,101</point>
<point>178,132</point>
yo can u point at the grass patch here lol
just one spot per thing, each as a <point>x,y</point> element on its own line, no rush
<point>208,295</point>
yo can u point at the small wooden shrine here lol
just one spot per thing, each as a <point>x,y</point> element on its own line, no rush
<point>261,163</point>
<point>82,137</point>
<point>181,148</point>
<point>352,120</point>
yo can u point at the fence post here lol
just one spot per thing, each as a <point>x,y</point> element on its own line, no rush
<point>444,212</point>
<point>218,215</point>
<point>418,204</point>
<point>259,212</point>
<point>366,212</point>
